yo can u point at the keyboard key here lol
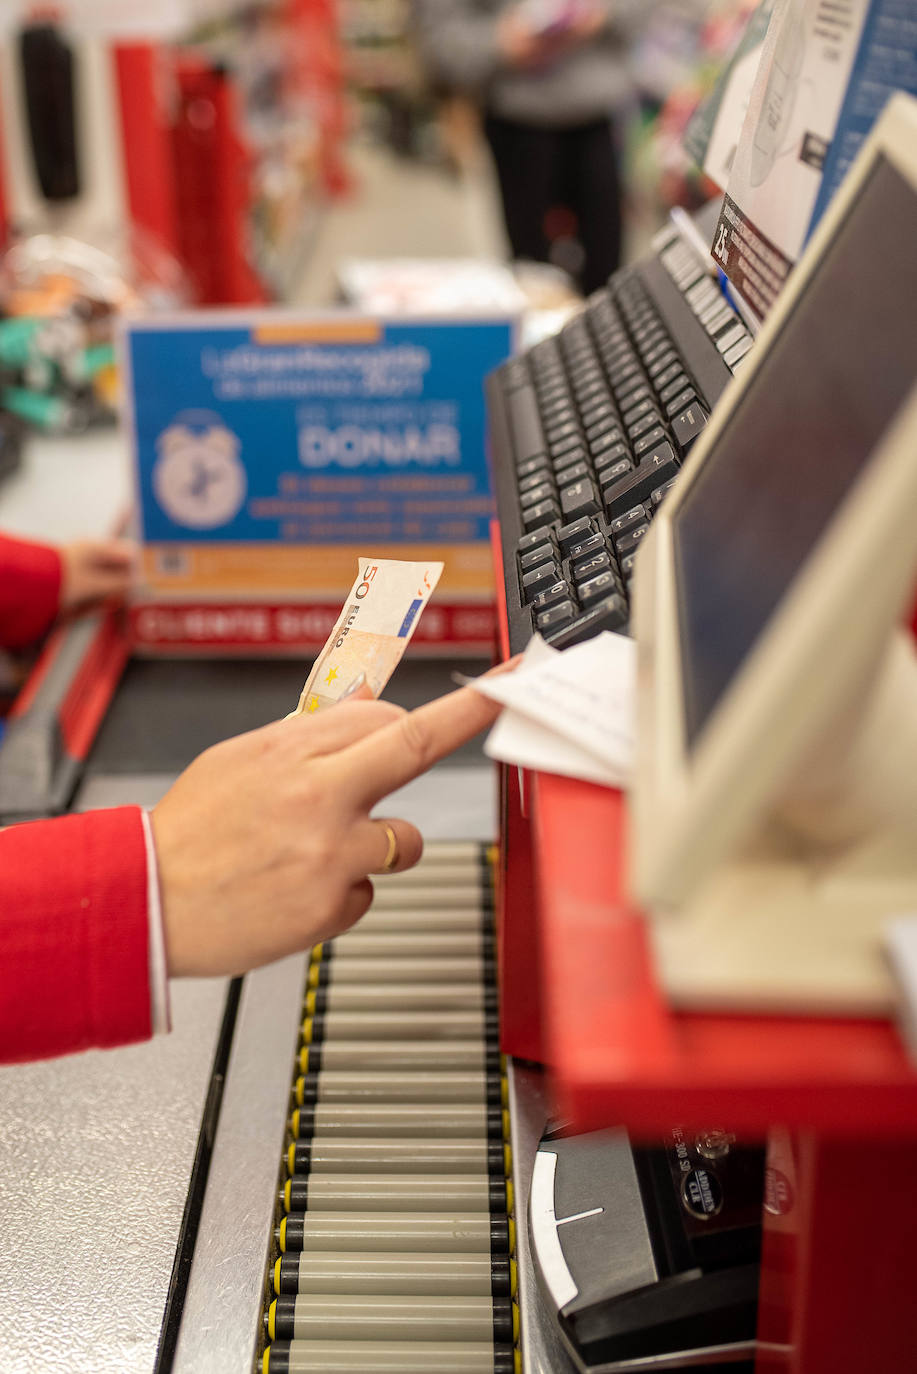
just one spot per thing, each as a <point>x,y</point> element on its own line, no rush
<point>662,453</point>
<point>612,476</point>
<point>667,358</point>
<point>678,383</point>
<point>539,579</point>
<point>551,596</point>
<point>607,453</point>
<point>543,351</point>
<point>544,513</point>
<point>726,338</point>
<point>610,614</point>
<point>608,424</point>
<point>606,441</point>
<point>648,441</point>
<point>688,425</point>
<point>652,325</point>
<point>639,485</point>
<point>535,479</point>
<point>590,388</point>
<point>545,535</point>
<point>619,373</point>
<point>595,411</point>
<point>573,473</point>
<point>576,454</point>
<point>574,533</point>
<point>555,433</point>
<point>715,318</point>
<point>591,567</point>
<point>556,616</point>
<point>627,566</point>
<point>646,404</point>
<point>636,390</point>
<point>701,296</point>
<point>620,468</point>
<point>531,465</point>
<point>568,414</point>
<point>678,403</point>
<point>628,542</point>
<point>738,351</point>
<point>580,498</point>
<point>668,374</point>
<point>543,492</point>
<point>525,423</point>
<point>629,520</point>
<point>586,548</point>
<point>533,558</point>
<point>567,444</point>
<point>596,588</point>
<point>650,420</point>
<point>653,355</point>
<point>660,494</point>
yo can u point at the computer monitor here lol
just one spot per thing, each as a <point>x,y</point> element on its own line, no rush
<point>774,811</point>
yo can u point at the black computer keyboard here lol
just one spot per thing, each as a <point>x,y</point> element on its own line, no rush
<point>588,431</point>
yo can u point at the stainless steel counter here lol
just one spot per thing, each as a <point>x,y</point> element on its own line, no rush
<point>95,1159</point>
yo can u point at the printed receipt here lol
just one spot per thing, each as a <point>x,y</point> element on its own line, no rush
<point>569,712</point>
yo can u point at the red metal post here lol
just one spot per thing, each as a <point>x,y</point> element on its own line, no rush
<point>838,1268</point>
<point>143,80</point>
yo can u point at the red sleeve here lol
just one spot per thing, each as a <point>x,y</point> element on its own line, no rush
<point>30,582</point>
<point>74,951</point>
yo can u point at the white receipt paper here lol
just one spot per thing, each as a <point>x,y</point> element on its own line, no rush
<point>569,712</point>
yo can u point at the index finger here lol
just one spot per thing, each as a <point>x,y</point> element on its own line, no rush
<point>371,768</point>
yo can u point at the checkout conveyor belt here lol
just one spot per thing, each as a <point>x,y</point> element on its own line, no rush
<point>394,1241</point>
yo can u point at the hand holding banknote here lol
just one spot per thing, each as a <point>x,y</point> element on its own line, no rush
<point>265,843</point>
<point>372,632</point>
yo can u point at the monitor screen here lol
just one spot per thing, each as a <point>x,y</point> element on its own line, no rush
<point>820,400</point>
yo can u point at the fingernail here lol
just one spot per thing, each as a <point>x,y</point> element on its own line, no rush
<point>353,687</point>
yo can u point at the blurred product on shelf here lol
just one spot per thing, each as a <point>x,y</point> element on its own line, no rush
<point>216,126</point>
<point>429,286</point>
<point>684,53</point>
<point>266,84</point>
<point>543,296</point>
<point>59,299</point>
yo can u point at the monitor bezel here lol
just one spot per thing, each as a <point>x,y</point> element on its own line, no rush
<point>690,809</point>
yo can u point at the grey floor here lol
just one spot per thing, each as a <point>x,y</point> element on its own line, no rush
<point>401,208</point>
<point>398,207</point>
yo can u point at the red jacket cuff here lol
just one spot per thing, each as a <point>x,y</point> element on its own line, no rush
<point>30,587</point>
<point>73,930</point>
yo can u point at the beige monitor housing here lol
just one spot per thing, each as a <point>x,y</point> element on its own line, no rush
<point>770,844</point>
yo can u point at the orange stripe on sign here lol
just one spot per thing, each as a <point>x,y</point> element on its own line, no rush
<point>319,331</point>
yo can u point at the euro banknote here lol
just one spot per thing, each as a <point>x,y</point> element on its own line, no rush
<point>373,630</point>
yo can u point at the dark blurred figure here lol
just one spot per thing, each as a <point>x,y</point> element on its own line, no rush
<point>548,75</point>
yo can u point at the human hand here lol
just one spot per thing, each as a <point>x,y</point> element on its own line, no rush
<point>535,34</point>
<point>95,570</point>
<point>264,844</point>
<point>518,42</point>
<point>586,22</point>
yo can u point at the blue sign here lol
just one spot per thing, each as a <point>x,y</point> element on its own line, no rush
<point>265,428</point>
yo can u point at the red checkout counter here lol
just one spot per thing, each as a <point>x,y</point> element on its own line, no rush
<point>836,1099</point>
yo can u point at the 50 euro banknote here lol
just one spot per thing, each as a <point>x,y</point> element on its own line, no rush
<point>373,630</point>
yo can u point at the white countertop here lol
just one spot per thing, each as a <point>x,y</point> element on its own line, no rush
<point>68,487</point>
